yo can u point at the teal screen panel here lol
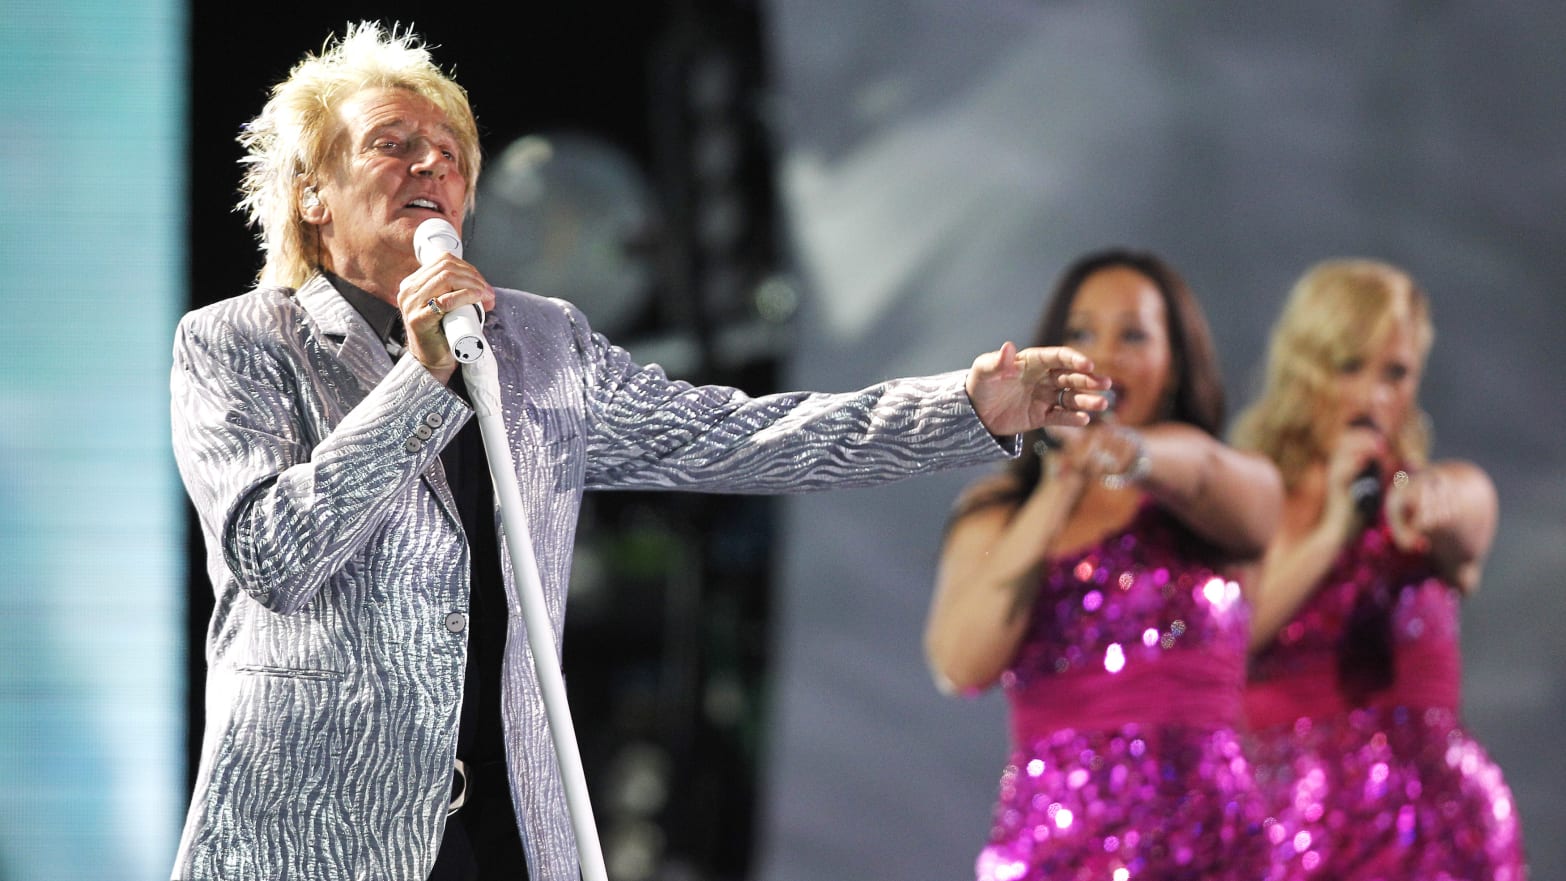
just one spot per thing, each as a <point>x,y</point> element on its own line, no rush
<point>92,279</point>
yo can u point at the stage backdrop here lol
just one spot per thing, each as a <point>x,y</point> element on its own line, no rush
<point>942,160</point>
<point>92,758</point>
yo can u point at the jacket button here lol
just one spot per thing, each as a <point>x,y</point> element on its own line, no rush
<point>456,621</point>
<point>422,431</point>
<point>413,445</point>
<point>433,420</point>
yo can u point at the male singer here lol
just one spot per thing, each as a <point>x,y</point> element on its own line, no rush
<point>372,711</point>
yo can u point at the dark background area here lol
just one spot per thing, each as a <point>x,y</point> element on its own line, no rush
<point>666,641</point>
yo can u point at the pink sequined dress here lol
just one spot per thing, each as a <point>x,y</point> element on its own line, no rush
<point>1356,737</point>
<point>1125,694</point>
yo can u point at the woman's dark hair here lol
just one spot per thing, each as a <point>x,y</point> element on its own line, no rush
<point>1198,390</point>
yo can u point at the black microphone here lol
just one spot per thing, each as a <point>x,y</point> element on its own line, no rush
<point>1108,413</point>
<point>1365,490</point>
<point>1365,662</point>
<point>464,327</point>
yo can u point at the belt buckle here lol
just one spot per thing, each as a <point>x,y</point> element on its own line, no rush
<point>458,800</point>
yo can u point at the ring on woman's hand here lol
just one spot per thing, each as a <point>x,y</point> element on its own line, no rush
<point>435,307</point>
<point>1060,398</point>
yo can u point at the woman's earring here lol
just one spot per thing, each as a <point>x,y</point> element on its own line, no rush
<point>309,199</point>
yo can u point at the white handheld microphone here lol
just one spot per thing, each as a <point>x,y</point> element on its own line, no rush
<point>464,327</point>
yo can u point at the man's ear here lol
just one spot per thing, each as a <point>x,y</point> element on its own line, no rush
<point>312,208</point>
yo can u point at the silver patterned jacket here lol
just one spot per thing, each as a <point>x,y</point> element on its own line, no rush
<point>336,648</point>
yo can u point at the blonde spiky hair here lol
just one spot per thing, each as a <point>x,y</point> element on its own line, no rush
<point>291,140</point>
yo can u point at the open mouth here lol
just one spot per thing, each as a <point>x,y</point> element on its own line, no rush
<point>427,204</point>
<point>1364,420</point>
<point>1114,397</point>
<point>1112,400</point>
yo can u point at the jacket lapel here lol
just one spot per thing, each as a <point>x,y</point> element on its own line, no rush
<point>356,346</point>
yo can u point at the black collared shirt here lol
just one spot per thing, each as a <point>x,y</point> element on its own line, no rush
<point>382,316</point>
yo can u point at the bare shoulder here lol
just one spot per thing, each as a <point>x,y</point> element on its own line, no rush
<point>998,489</point>
<point>984,506</point>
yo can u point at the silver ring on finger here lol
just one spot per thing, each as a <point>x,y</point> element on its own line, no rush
<point>1060,398</point>
<point>435,307</point>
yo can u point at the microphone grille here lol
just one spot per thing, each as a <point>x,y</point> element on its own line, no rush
<point>433,238</point>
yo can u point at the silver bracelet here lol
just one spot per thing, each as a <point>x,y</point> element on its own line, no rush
<point>1141,465</point>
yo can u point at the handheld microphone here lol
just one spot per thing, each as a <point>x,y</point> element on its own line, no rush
<point>464,327</point>
<point>1108,413</point>
<point>1365,490</point>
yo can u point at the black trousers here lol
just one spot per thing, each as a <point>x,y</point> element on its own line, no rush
<point>481,841</point>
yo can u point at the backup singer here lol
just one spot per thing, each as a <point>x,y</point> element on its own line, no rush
<point>1098,581</point>
<point>1354,692</point>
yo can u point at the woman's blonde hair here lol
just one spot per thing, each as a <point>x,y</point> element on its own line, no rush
<point>293,138</point>
<point>1338,312</point>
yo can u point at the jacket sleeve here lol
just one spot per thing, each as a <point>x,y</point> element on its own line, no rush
<point>648,431</point>
<point>287,500</point>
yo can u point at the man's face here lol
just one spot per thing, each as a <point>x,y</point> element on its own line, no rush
<point>399,166</point>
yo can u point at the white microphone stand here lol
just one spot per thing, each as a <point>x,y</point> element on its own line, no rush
<point>483,381</point>
<point>464,329</point>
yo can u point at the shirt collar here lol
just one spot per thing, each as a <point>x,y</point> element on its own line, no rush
<point>382,316</point>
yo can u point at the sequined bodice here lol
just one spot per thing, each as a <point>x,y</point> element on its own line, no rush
<point>1325,655</point>
<point>1355,734</point>
<point>1124,696</point>
<point>1142,593</point>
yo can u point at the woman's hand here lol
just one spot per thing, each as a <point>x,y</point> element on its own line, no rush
<point>1113,455</point>
<point>1357,447</point>
<point>1448,510</point>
